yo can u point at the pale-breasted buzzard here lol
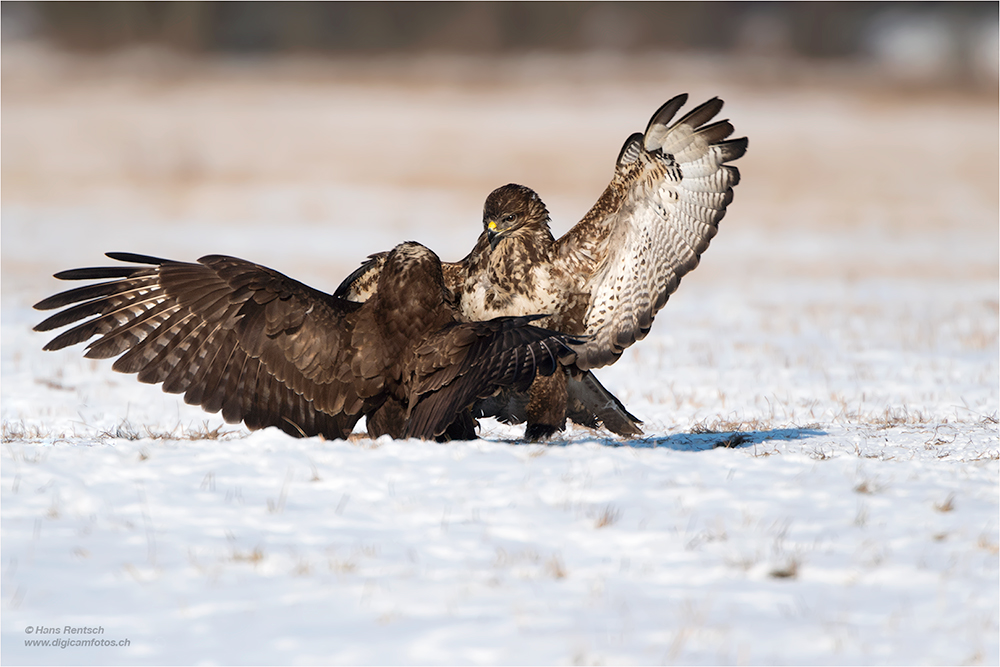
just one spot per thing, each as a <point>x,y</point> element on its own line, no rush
<point>610,274</point>
<point>270,351</point>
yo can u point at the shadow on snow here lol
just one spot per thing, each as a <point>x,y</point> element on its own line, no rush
<point>698,442</point>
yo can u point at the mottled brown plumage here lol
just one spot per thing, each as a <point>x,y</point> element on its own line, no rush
<point>613,271</point>
<point>270,351</point>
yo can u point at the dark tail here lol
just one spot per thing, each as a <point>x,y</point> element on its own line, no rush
<point>590,404</point>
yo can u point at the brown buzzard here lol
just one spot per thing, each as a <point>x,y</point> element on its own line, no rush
<point>270,351</point>
<point>609,275</point>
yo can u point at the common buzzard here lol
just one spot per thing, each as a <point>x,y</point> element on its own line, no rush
<point>270,351</point>
<point>609,275</point>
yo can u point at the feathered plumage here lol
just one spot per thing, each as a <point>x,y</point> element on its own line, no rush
<point>613,271</point>
<point>270,351</point>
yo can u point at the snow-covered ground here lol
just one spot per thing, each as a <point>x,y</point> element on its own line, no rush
<point>819,478</point>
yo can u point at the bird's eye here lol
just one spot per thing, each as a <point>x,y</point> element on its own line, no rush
<point>509,217</point>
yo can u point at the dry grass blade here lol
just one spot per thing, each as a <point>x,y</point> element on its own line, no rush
<point>948,505</point>
<point>608,517</point>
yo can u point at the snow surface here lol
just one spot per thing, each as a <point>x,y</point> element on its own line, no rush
<point>819,478</point>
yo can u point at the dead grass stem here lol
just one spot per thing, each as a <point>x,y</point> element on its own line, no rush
<point>19,431</point>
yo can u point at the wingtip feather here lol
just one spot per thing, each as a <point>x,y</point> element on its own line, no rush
<point>136,258</point>
<point>667,111</point>
<point>701,114</point>
<point>733,149</point>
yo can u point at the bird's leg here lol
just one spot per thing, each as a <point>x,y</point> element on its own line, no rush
<point>546,410</point>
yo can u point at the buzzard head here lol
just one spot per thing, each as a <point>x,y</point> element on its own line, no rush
<point>510,208</point>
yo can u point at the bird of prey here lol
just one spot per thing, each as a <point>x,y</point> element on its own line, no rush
<point>270,351</point>
<point>609,275</point>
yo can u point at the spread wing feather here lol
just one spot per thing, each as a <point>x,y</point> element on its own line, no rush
<point>228,334</point>
<point>670,190</point>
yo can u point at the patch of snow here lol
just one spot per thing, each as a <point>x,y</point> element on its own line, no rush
<point>818,482</point>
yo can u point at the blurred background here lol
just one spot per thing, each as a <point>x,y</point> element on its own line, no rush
<point>306,135</point>
<point>953,39</point>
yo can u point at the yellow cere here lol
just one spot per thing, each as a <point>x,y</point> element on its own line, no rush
<point>492,226</point>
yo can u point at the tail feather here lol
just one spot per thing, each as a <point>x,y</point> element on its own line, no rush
<point>591,404</point>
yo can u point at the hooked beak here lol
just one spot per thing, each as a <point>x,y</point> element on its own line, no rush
<point>492,234</point>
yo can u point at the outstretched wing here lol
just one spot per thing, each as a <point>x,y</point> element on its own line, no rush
<point>651,225</point>
<point>468,361</point>
<point>228,334</point>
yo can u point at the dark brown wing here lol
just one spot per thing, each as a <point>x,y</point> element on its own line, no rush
<point>228,334</point>
<point>465,362</point>
<point>670,190</point>
<point>588,403</point>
